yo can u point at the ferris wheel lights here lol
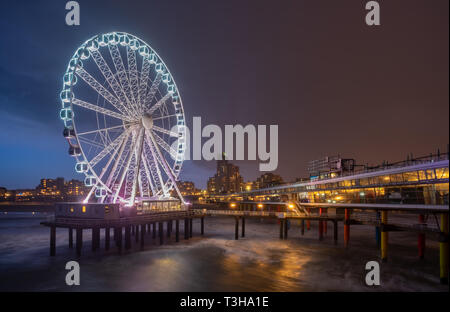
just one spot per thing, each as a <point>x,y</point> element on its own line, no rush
<point>92,45</point>
<point>144,51</point>
<point>171,89</point>
<point>166,78</point>
<point>159,68</point>
<point>75,63</point>
<point>113,38</point>
<point>90,181</point>
<point>134,44</point>
<point>153,58</point>
<point>81,167</point>
<point>103,40</point>
<point>66,114</point>
<point>83,53</point>
<point>124,40</point>
<point>69,79</point>
<point>66,95</point>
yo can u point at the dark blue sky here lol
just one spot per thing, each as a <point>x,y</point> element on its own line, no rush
<point>331,83</point>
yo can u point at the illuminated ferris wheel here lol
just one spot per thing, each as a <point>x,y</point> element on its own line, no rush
<point>124,119</point>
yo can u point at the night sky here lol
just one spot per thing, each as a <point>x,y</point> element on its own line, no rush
<point>333,84</point>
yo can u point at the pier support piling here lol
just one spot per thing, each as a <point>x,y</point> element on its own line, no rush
<point>177,230</point>
<point>161,232</point>
<point>137,232</point>
<point>281,228</point>
<point>79,240</point>
<point>190,227</point>
<point>320,230</point>
<point>347,227</point>
<point>421,239</point>
<point>169,225</point>
<point>243,227</point>
<point>154,230</point>
<point>335,230</point>
<point>107,238</point>
<point>52,241</point>
<point>384,236</point>
<point>142,235</point>
<point>186,229</point>
<point>286,227</point>
<point>128,237</point>
<point>303,226</point>
<point>70,238</point>
<point>236,228</point>
<point>119,239</point>
<point>202,225</point>
<point>443,249</point>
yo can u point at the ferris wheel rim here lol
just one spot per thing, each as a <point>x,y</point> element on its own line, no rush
<point>178,162</point>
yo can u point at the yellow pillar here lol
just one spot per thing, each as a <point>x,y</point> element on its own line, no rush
<point>443,248</point>
<point>384,236</point>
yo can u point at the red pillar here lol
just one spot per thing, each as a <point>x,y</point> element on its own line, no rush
<point>308,223</point>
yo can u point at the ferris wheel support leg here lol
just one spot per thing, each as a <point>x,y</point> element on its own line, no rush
<point>166,167</point>
<point>138,165</point>
<point>130,156</point>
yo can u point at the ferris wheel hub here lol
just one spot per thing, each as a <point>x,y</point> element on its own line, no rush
<point>147,121</point>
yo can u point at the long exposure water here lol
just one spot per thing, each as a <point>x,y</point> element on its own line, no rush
<point>214,262</point>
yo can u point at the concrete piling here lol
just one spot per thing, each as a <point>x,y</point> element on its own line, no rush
<point>202,225</point>
<point>107,238</point>
<point>421,239</point>
<point>335,232</point>
<point>79,240</point>
<point>443,249</point>
<point>52,240</point>
<point>302,222</point>
<point>236,228</point>
<point>384,236</point>
<point>70,238</point>
<point>347,227</point>
<point>243,227</point>
<point>143,226</point>
<point>161,232</point>
<point>190,227</point>
<point>177,230</point>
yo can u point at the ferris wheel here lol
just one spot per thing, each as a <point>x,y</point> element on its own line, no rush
<point>123,119</point>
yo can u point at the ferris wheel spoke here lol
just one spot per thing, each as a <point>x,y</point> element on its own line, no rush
<point>165,131</point>
<point>111,79</point>
<point>114,172</point>
<point>125,168</point>
<point>138,151</point>
<point>107,149</point>
<point>99,109</point>
<point>151,93</point>
<point>100,177</point>
<point>133,76</point>
<point>121,71</point>
<point>147,173</point>
<point>143,82</point>
<point>156,173</point>
<point>159,103</point>
<point>100,130</point>
<point>91,142</point>
<point>164,145</point>
<point>166,116</point>
<point>91,81</point>
<point>165,166</point>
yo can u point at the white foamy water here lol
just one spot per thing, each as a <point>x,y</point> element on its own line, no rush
<point>214,262</point>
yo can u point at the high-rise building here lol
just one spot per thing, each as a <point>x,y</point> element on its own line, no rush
<point>227,178</point>
<point>268,179</point>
